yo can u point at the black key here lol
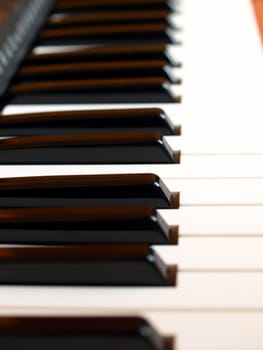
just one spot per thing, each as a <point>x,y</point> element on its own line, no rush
<point>104,53</point>
<point>101,70</point>
<point>111,34</point>
<point>152,95</point>
<point>93,265</point>
<point>120,90</point>
<point>82,333</point>
<point>118,148</point>
<point>84,191</point>
<point>74,225</point>
<point>109,18</point>
<point>88,86</point>
<point>71,6</point>
<point>87,121</point>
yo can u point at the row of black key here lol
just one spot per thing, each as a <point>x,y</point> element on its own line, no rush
<point>84,209</point>
<point>131,138</point>
<point>87,137</point>
<point>102,213</point>
<point>126,63</point>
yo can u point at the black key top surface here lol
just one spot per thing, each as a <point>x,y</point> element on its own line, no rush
<point>98,265</point>
<point>66,333</point>
<point>74,225</point>
<point>84,190</point>
<point>89,121</point>
<point>125,148</point>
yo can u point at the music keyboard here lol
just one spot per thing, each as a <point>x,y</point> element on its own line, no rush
<point>217,302</point>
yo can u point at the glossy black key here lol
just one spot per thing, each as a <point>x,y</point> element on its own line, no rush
<point>88,121</point>
<point>93,265</point>
<point>85,190</point>
<point>111,53</point>
<point>101,70</point>
<point>111,34</point>
<point>106,90</point>
<point>109,18</point>
<point>82,333</point>
<point>118,148</point>
<point>75,225</point>
<point>88,86</point>
<point>69,6</point>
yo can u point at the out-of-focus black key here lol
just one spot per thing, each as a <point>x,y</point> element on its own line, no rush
<point>69,6</point>
<point>112,34</point>
<point>84,191</point>
<point>118,148</point>
<point>101,70</point>
<point>123,90</point>
<point>82,333</point>
<point>75,225</point>
<point>87,121</point>
<point>93,265</point>
<point>152,95</point>
<point>109,18</point>
<point>104,53</point>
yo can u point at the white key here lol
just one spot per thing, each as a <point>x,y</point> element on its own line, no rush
<point>194,291</point>
<point>191,167</point>
<point>202,145</point>
<point>195,192</point>
<point>204,254</point>
<point>217,330</point>
<point>215,220</point>
<point>216,144</point>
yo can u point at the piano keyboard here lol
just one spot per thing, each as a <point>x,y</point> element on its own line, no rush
<point>131,179</point>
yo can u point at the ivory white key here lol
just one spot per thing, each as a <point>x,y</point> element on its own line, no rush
<point>211,330</point>
<point>194,291</point>
<point>215,220</point>
<point>231,191</point>
<point>204,254</point>
<point>219,166</point>
<point>213,143</point>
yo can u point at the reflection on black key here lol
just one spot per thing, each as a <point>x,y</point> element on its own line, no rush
<point>74,225</point>
<point>85,190</point>
<point>88,121</point>
<point>82,333</point>
<point>93,265</point>
<point>118,148</point>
